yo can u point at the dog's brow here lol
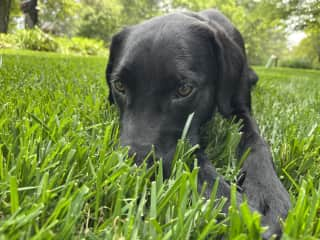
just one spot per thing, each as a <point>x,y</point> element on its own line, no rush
<point>188,77</point>
<point>121,73</point>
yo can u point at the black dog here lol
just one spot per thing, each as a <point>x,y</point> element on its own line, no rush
<point>162,70</point>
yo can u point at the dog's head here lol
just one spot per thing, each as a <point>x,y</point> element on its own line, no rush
<point>162,70</point>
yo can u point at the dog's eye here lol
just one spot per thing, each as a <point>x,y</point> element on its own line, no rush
<point>184,90</point>
<point>119,86</point>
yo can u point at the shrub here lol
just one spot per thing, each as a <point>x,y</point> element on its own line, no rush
<point>35,39</point>
<point>81,46</point>
<point>89,46</point>
<point>297,63</point>
<point>7,41</point>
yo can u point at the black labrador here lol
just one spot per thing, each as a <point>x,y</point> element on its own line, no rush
<point>165,68</point>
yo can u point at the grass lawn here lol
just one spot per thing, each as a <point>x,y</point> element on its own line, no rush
<point>63,175</point>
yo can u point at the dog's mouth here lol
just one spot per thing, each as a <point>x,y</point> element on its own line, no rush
<point>150,154</point>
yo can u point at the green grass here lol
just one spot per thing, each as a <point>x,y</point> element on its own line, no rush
<point>64,176</point>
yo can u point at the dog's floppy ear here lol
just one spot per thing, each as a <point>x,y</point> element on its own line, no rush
<point>232,90</point>
<point>115,50</point>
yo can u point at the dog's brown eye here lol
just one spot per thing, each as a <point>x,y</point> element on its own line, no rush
<point>119,86</point>
<point>184,90</point>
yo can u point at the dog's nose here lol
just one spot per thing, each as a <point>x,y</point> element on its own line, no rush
<point>141,152</point>
<point>150,153</point>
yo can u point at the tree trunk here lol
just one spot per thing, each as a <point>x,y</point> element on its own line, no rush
<point>4,15</point>
<point>317,47</point>
<point>317,44</point>
<point>29,9</point>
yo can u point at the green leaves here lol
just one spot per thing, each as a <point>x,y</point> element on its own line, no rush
<point>36,39</point>
<point>14,197</point>
<point>303,222</point>
<point>241,218</point>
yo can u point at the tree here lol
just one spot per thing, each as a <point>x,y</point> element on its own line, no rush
<point>302,14</point>
<point>4,15</point>
<point>30,11</point>
<point>258,21</point>
<point>135,11</point>
<point>100,19</point>
<point>262,28</point>
<point>59,16</point>
<point>305,16</point>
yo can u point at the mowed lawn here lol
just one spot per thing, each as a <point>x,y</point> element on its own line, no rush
<point>64,176</point>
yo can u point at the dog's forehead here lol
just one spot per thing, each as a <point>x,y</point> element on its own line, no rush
<point>164,49</point>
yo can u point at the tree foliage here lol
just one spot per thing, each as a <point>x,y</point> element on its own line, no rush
<point>100,19</point>
<point>263,23</point>
<point>59,16</point>
<point>259,22</point>
<point>135,11</point>
<point>305,15</point>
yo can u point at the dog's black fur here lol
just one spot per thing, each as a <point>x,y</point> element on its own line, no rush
<point>162,70</point>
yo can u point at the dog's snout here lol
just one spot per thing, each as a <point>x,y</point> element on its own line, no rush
<point>140,151</point>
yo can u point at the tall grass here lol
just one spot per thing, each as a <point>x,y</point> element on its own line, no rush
<point>63,174</point>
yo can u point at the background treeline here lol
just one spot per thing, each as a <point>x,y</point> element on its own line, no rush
<point>265,24</point>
